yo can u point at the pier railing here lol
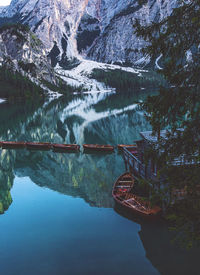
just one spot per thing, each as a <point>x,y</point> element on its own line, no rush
<point>134,163</point>
<point>136,166</point>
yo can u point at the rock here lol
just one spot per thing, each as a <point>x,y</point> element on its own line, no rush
<point>117,42</point>
<point>104,29</point>
<point>21,50</point>
<point>52,21</point>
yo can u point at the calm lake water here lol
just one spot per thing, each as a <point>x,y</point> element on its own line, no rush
<point>60,216</point>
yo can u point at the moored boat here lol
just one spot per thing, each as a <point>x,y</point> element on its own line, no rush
<point>98,147</point>
<point>38,145</point>
<point>65,147</point>
<point>123,184</point>
<point>122,194</point>
<point>13,144</point>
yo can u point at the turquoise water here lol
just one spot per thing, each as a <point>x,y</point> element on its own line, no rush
<point>59,213</point>
<point>51,233</point>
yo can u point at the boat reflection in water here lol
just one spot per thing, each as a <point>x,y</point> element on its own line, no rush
<point>94,119</point>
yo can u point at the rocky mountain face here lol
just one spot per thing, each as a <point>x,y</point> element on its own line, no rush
<point>55,22</point>
<point>22,51</point>
<point>102,28</point>
<point>116,41</point>
<point>1,8</point>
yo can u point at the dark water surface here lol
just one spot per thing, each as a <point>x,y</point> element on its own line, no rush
<point>59,213</point>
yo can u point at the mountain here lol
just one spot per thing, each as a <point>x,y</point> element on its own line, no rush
<point>55,22</point>
<point>21,50</point>
<point>24,66</point>
<point>102,29</point>
<point>117,41</point>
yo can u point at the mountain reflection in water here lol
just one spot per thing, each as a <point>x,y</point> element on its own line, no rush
<point>99,118</point>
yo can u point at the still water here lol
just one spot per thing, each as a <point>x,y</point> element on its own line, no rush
<point>59,213</point>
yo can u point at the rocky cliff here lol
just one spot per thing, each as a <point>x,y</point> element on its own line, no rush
<point>55,22</point>
<point>103,28</point>
<point>117,41</point>
<point>22,51</point>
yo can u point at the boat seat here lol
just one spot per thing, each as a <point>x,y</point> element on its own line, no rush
<point>131,199</point>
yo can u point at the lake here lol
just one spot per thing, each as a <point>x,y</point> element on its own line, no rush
<point>59,215</point>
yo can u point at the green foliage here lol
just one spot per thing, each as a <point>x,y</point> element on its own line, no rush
<point>142,2</point>
<point>62,87</point>
<point>75,181</point>
<point>126,81</point>
<point>10,20</point>
<point>1,208</point>
<point>35,41</point>
<point>13,85</point>
<point>178,106</point>
<point>16,29</point>
<point>6,183</point>
<point>27,67</point>
<point>184,222</point>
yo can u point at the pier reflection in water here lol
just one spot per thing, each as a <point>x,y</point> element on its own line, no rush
<point>75,230</point>
<point>80,119</point>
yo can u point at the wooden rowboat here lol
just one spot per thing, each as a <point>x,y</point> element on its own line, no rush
<point>38,145</point>
<point>13,144</point>
<point>123,184</point>
<point>98,147</point>
<point>123,196</point>
<point>65,147</point>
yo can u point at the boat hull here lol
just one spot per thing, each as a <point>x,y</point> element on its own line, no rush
<point>38,146</point>
<point>13,145</point>
<point>122,185</point>
<point>135,212</point>
<point>98,147</point>
<point>127,200</point>
<point>65,148</point>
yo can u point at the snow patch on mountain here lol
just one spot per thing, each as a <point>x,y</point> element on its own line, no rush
<point>80,76</point>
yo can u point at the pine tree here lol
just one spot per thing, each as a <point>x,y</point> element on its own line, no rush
<point>176,39</point>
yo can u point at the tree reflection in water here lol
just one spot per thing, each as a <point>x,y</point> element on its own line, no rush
<point>78,119</point>
<point>100,118</point>
<point>166,257</point>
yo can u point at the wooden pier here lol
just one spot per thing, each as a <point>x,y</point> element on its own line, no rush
<point>71,148</point>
